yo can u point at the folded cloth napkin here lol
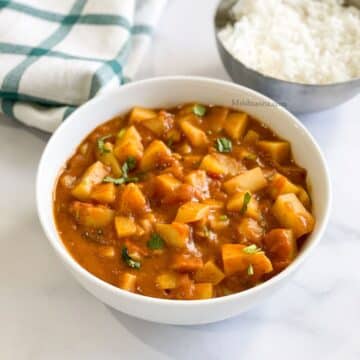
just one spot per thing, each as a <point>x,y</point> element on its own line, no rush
<point>57,54</point>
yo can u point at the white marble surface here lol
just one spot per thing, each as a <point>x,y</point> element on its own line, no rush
<point>46,315</point>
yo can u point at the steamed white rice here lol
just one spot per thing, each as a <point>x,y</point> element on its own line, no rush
<point>305,41</point>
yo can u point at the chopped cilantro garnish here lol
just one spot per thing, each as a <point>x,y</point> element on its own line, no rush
<point>120,180</point>
<point>247,198</point>
<point>250,270</point>
<point>155,242</point>
<point>251,249</point>
<point>223,145</point>
<point>129,164</point>
<point>224,217</point>
<point>199,110</point>
<point>101,144</point>
<point>128,260</point>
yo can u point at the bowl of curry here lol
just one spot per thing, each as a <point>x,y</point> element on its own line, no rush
<point>173,203</point>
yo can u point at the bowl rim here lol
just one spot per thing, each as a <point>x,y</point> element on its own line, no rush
<point>67,258</point>
<point>268,77</point>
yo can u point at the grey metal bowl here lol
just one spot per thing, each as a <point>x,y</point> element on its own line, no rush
<point>296,97</point>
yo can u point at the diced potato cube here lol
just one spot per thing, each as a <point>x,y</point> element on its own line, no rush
<point>125,226</point>
<point>159,124</point>
<point>251,137</point>
<point>236,260</point>
<point>214,204</point>
<point>185,288</point>
<point>218,223</point>
<point>216,118</point>
<point>92,176</point>
<point>294,173</point>
<point>196,136</point>
<point>186,110</point>
<point>209,273</point>
<point>108,158</point>
<point>191,212</point>
<point>175,234</point>
<point>186,262</point>
<point>129,145</point>
<point>213,165</point>
<point>244,154</point>
<point>291,214</point>
<point>250,230</point>
<point>221,165</point>
<point>279,151</point>
<point>235,125</point>
<point>182,194</point>
<point>132,200</point>
<point>236,203</point>
<point>67,181</point>
<point>139,114</point>
<point>127,282</point>
<point>281,246</point>
<point>173,135</point>
<point>203,291</point>
<point>304,197</point>
<point>184,148</point>
<point>156,154</point>
<point>147,223</point>
<point>252,180</point>
<point>279,184</point>
<point>192,161</point>
<point>96,216</point>
<point>167,281</point>
<point>104,193</point>
<point>166,183</point>
<point>199,181</point>
<point>107,251</point>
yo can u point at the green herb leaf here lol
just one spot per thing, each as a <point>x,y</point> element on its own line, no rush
<point>116,181</point>
<point>251,249</point>
<point>250,270</point>
<point>247,198</point>
<point>223,145</point>
<point>199,110</point>
<point>121,180</point>
<point>170,142</point>
<point>101,144</point>
<point>224,217</point>
<point>128,260</point>
<point>155,242</point>
<point>128,165</point>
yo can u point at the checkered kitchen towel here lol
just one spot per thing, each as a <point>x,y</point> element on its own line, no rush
<point>57,54</point>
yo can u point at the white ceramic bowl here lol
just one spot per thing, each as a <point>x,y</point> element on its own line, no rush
<point>164,92</point>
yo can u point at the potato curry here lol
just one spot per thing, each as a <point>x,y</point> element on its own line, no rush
<point>192,202</point>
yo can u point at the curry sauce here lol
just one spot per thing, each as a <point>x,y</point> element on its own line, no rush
<point>191,202</point>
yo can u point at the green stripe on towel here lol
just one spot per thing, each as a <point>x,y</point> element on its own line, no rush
<point>16,96</point>
<point>90,19</point>
<point>7,48</point>
<point>12,79</point>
